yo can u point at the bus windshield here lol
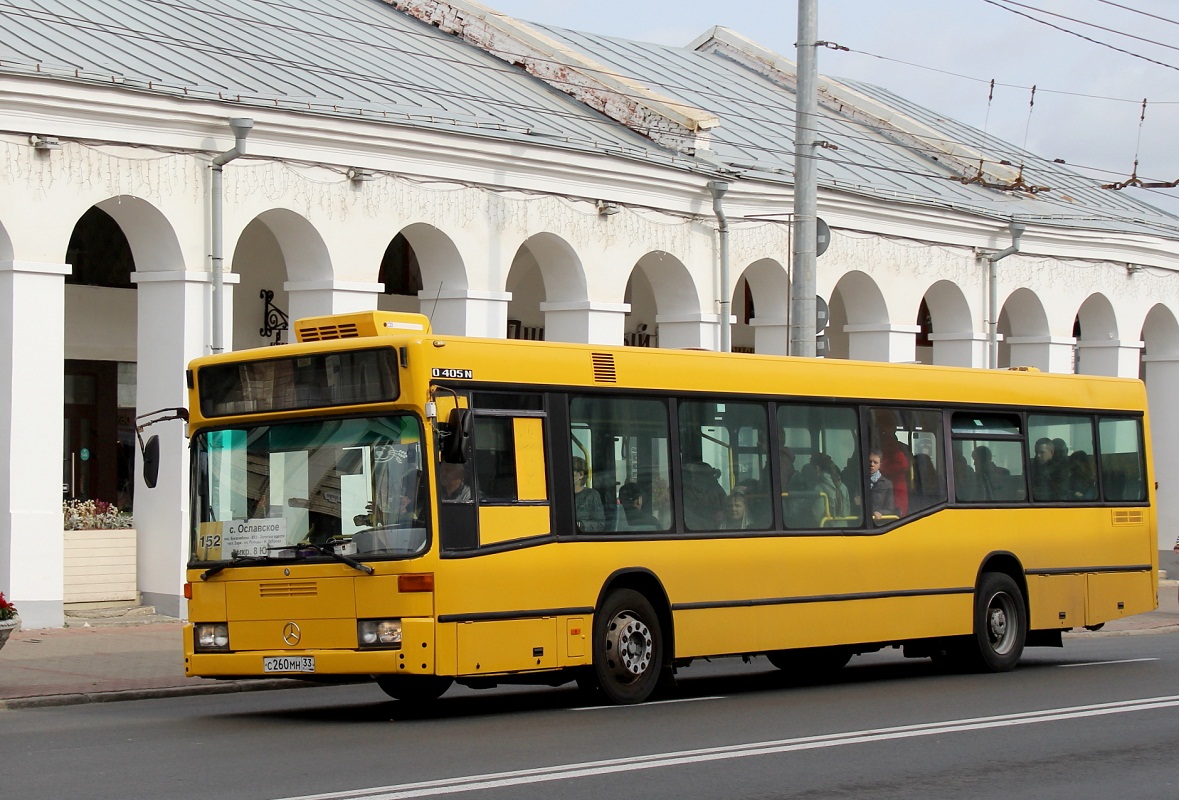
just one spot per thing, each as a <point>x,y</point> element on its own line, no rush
<point>355,485</point>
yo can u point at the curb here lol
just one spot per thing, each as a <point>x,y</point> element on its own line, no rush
<point>1084,634</point>
<point>82,698</point>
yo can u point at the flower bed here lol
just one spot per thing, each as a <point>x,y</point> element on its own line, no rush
<point>100,553</point>
<point>9,621</point>
<point>83,515</point>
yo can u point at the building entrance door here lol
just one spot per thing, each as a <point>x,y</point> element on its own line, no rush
<point>95,454</point>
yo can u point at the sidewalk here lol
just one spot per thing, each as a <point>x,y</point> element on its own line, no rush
<point>125,655</point>
<point>103,658</point>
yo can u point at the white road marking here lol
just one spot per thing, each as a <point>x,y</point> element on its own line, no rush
<point>1103,663</point>
<point>652,703</point>
<point>561,772</point>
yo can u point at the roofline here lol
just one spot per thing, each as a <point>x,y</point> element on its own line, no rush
<point>968,163</point>
<point>669,122</point>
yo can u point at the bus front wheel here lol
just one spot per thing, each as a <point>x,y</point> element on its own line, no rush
<point>628,648</point>
<point>1000,624</point>
<point>416,689</point>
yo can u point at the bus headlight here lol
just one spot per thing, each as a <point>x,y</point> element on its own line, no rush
<point>211,637</point>
<point>383,633</point>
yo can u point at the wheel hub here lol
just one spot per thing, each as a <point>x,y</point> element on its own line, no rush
<point>998,629</point>
<point>629,646</point>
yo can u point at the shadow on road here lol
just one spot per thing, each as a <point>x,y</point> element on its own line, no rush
<point>730,677</point>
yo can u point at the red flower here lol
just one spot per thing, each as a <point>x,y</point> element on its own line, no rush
<point>7,609</point>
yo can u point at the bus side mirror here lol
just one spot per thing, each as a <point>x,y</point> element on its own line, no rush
<point>151,461</point>
<point>456,439</point>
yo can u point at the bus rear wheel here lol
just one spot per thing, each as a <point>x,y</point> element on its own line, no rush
<point>628,648</point>
<point>1000,625</point>
<point>415,689</point>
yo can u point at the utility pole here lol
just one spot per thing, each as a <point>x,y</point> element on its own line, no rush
<point>803,287</point>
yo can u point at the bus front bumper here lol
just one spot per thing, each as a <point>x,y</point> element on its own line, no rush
<point>301,664</point>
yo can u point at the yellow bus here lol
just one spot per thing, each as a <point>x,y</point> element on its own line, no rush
<point>378,500</point>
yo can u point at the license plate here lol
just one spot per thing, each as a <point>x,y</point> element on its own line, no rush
<point>289,664</point>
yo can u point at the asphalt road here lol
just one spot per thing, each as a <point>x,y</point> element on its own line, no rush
<point>1098,719</point>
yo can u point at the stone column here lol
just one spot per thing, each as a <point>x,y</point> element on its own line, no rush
<point>320,298</point>
<point>966,349</point>
<point>1162,387</point>
<point>770,337</point>
<point>882,342</point>
<point>585,321</point>
<point>1113,358</point>
<point>32,349</point>
<point>174,327</point>
<point>466,312</point>
<point>701,331</point>
<point>1045,353</point>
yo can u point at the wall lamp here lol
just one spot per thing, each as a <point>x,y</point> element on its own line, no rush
<point>607,209</point>
<point>357,175</point>
<point>44,144</point>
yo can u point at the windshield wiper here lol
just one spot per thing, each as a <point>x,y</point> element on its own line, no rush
<point>330,551</point>
<point>322,549</point>
<point>234,562</point>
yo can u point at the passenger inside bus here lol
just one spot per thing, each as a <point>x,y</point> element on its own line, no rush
<point>1082,476</point>
<point>993,481</point>
<point>737,511</point>
<point>630,497</point>
<point>895,462</point>
<point>881,500</point>
<point>453,484</point>
<point>828,482</point>
<point>1049,473</point>
<point>965,479</point>
<point>704,499</point>
<point>587,504</point>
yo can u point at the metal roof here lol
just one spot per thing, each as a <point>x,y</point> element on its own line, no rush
<point>756,136</point>
<point>364,59</point>
<point>356,58</point>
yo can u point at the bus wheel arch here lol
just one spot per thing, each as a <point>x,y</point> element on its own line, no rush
<point>632,636</point>
<point>1000,620</point>
<point>1006,563</point>
<point>645,583</point>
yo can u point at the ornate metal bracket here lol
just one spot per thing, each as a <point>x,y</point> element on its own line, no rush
<point>274,319</point>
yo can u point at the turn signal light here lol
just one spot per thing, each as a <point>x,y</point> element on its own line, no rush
<point>416,582</point>
<point>187,591</point>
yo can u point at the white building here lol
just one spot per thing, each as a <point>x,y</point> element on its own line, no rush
<point>503,178</point>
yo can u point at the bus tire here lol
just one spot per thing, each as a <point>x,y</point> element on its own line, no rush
<point>1000,624</point>
<point>414,689</point>
<point>628,654</point>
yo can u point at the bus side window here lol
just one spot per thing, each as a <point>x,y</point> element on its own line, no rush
<point>815,490</point>
<point>1123,472</point>
<point>988,452</point>
<point>1061,468</point>
<point>622,442</point>
<point>722,450</point>
<point>910,442</point>
<point>495,459</point>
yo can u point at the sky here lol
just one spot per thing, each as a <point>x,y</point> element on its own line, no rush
<point>943,54</point>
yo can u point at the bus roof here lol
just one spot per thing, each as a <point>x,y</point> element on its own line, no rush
<point>457,360</point>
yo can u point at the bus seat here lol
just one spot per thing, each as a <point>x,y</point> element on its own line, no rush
<point>798,508</point>
<point>616,520</point>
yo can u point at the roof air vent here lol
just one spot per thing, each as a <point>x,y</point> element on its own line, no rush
<point>604,368</point>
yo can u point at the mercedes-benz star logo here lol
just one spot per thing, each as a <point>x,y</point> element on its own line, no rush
<point>291,634</point>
